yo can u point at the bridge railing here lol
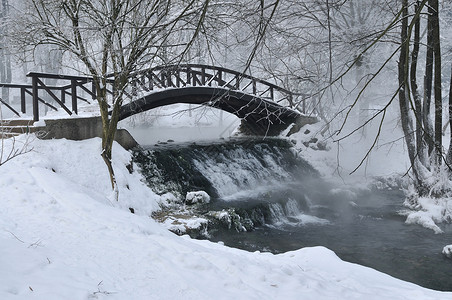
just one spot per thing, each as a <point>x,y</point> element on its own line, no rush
<point>179,76</point>
<point>54,97</point>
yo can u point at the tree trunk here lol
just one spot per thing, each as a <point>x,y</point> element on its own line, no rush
<point>428,81</point>
<point>403,75</point>
<point>414,90</point>
<point>437,81</point>
<point>449,153</point>
<point>110,123</point>
<point>108,131</point>
<point>5,56</point>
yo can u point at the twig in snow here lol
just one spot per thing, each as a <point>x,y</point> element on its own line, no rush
<point>35,244</point>
<point>99,291</point>
<point>15,236</point>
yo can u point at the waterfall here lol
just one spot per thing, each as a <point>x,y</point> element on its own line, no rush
<point>278,215</point>
<point>251,182</point>
<point>221,169</point>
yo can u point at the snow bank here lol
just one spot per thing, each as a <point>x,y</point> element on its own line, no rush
<point>62,238</point>
<point>429,212</point>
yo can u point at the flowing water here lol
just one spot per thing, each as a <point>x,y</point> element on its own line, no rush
<point>264,197</point>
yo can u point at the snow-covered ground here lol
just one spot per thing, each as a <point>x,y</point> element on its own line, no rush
<point>62,237</point>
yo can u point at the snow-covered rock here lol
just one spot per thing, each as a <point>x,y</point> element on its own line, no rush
<point>447,251</point>
<point>180,226</point>
<point>197,197</point>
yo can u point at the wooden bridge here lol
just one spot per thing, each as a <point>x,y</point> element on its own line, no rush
<point>263,106</point>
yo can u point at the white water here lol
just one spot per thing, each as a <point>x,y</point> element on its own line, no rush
<point>240,170</point>
<point>292,214</point>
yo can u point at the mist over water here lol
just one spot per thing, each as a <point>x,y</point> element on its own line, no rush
<point>181,123</point>
<point>269,199</point>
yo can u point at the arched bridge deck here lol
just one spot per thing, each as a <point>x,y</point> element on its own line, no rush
<point>264,107</point>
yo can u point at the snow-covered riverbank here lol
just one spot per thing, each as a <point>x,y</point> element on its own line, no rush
<point>63,237</point>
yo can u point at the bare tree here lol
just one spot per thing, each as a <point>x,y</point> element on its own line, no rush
<point>112,39</point>
<point>311,43</point>
<point>422,138</point>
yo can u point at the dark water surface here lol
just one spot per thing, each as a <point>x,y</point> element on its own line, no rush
<point>371,234</point>
<point>283,205</point>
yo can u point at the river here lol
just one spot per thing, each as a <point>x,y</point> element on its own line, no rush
<point>272,200</point>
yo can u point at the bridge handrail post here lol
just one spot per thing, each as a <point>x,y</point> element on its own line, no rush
<point>74,96</point>
<point>304,106</point>
<point>203,75</point>
<point>220,77</point>
<point>162,78</point>
<point>188,76</point>
<point>151,81</point>
<point>93,90</point>
<point>23,106</point>
<point>142,80</point>
<point>178,78</point>
<point>290,99</point>
<point>134,85</point>
<point>193,78</point>
<point>63,95</point>
<point>168,75</point>
<point>34,91</point>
